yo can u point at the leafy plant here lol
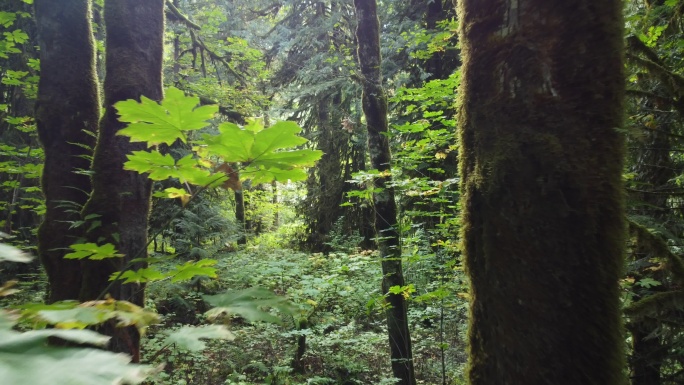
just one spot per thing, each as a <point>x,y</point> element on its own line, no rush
<point>27,358</point>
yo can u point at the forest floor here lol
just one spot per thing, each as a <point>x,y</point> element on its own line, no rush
<point>333,331</point>
<point>337,325</point>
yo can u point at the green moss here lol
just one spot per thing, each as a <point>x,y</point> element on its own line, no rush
<point>543,229</point>
<point>68,107</point>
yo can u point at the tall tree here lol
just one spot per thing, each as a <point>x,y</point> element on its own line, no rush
<point>541,162</point>
<point>120,198</point>
<point>374,102</point>
<point>67,114</point>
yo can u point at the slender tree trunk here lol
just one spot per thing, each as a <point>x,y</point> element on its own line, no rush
<point>121,198</point>
<point>276,210</point>
<point>541,164</point>
<point>374,104</point>
<point>240,216</point>
<point>67,110</point>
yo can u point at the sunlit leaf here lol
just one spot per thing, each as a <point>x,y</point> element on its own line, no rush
<point>156,123</point>
<point>92,251</point>
<point>192,269</point>
<point>139,276</point>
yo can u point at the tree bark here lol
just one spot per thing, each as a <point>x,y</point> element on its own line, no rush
<point>374,104</point>
<point>541,163</point>
<point>240,216</point>
<point>134,31</point>
<point>67,114</point>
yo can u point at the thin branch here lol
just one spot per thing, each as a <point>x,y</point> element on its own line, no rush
<point>659,247</point>
<point>227,112</point>
<point>200,44</point>
<point>638,46</point>
<point>674,81</point>
<point>663,100</point>
<point>176,12</point>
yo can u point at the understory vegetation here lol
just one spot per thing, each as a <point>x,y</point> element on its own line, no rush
<point>333,334</point>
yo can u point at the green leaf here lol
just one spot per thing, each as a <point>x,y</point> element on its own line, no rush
<point>150,161</point>
<point>248,303</point>
<point>191,269</point>
<point>163,166</point>
<point>166,122</point>
<point>76,318</point>
<point>172,192</point>
<point>26,358</point>
<point>93,251</point>
<point>18,36</point>
<point>140,275</point>
<point>7,18</point>
<point>279,136</point>
<point>72,314</point>
<point>189,337</point>
<point>648,282</point>
<point>266,152</point>
<point>233,144</point>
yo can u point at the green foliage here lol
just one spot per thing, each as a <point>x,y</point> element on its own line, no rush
<point>191,269</point>
<point>423,43</point>
<point>74,315</point>
<point>25,359</point>
<point>26,356</point>
<point>165,122</point>
<point>266,153</point>
<point>12,39</point>
<point>92,251</point>
<point>190,337</point>
<point>248,303</point>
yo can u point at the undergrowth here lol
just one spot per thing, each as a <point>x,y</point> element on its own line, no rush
<point>335,335</point>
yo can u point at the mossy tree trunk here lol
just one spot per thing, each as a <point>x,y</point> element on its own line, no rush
<point>541,163</point>
<point>134,42</point>
<point>374,102</point>
<point>67,114</point>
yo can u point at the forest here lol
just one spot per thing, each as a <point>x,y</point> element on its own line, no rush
<point>286,192</point>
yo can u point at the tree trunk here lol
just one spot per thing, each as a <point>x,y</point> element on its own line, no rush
<point>121,198</point>
<point>240,216</point>
<point>374,104</point>
<point>541,164</point>
<point>68,107</point>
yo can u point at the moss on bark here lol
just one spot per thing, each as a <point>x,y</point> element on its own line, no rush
<point>541,162</point>
<point>121,198</point>
<point>68,107</point>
